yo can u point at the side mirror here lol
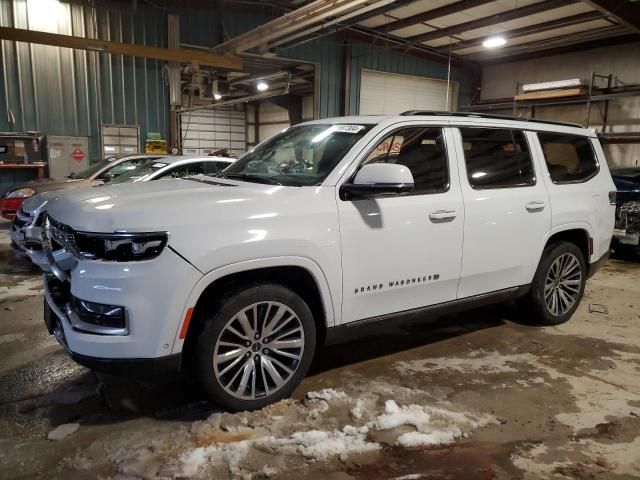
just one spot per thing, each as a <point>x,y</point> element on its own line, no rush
<point>377,179</point>
<point>107,176</point>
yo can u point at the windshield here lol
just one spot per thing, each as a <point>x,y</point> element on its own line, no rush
<point>91,170</point>
<point>139,172</point>
<point>299,156</point>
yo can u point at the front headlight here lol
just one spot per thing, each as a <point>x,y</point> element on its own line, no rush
<point>21,193</point>
<point>121,247</point>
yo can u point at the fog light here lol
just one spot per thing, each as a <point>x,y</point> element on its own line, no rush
<point>98,314</point>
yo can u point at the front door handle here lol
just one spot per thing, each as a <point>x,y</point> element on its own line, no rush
<point>534,206</point>
<point>441,215</point>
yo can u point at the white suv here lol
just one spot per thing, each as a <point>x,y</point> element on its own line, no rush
<point>241,275</point>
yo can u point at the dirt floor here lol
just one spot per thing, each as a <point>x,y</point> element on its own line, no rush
<point>476,395</point>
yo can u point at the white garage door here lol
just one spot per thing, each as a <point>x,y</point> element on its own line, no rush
<point>391,93</point>
<point>205,131</point>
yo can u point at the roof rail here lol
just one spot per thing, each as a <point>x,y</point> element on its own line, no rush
<point>410,113</point>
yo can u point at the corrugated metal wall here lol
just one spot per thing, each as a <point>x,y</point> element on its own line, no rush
<point>71,92</point>
<point>68,92</point>
<point>328,53</point>
<point>385,60</point>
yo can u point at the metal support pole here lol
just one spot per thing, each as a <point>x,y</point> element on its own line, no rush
<point>173,76</point>
<point>588,119</point>
<point>346,96</point>
<point>256,125</point>
<point>605,115</point>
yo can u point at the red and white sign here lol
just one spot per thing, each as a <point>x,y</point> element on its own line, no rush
<point>78,155</point>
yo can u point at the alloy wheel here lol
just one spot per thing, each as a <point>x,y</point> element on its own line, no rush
<point>562,284</point>
<point>258,350</point>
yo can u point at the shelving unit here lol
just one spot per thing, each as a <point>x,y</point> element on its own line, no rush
<point>595,95</point>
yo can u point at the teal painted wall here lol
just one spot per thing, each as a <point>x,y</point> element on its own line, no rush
<point>71,92</point>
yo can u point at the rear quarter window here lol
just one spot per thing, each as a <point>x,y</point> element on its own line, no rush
<point>569,158</point>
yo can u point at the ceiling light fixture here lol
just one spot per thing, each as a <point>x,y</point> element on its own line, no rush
<point>494,42</point>
<point>262,85</point>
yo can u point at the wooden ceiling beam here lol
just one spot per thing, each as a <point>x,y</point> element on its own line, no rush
<point>217,60</point>
<point>625,12</point>
<point>531,29</point>
<point>557,45</point>
<point>431,15</point>
<point>492,20</point>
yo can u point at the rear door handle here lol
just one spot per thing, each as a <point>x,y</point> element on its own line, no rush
<point>443,215</point>
<point>534,206</point>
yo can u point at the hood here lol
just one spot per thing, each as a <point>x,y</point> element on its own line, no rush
<point>163,205</point>
<point>39,200</point>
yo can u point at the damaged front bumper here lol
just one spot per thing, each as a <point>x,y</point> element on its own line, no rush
<point>26,232</point>
<point>627,227</point>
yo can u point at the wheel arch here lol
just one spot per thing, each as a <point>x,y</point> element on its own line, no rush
<point>301,275</point>
<point>578,234</point>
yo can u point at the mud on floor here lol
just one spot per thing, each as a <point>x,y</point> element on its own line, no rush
<point>476,395</point>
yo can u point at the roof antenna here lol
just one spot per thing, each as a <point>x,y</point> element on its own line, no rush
<point>447,107</point>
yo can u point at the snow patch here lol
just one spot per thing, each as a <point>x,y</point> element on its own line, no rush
<point>434,426</point>
<point>63,431</point>
<point>320,445</point>
<point>358,410</point>
<point>312,444</point>
<point>328,395</point>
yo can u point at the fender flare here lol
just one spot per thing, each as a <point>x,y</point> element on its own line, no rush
<point>565,227</point>
<point>312,267</point>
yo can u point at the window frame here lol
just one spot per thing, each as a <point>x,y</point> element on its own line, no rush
<point>393,132</point>
<point>569,182</point>
<point>492,127</point>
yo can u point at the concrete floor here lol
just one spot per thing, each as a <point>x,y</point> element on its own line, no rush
<point>502,399</point>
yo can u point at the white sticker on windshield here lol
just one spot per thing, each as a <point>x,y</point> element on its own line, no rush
<point>347,128</point>
<point>159,165</point>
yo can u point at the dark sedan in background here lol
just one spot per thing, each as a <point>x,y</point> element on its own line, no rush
<point>627,230</point>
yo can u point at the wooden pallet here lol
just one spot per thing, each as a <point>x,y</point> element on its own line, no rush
<point>557,93</point>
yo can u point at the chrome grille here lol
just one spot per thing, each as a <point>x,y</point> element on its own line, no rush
<point>62,235</point>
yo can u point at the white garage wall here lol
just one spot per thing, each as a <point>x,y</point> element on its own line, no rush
<point>623,61</point>
<point>392,93</point>
<point>205,131</point>
<point>273,119</point>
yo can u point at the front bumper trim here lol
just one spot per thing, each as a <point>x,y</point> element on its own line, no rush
<point>124,367</point>
<point>130,367</point>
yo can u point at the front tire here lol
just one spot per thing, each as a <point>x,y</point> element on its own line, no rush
<point>558,284</point>
<point>255,347</point>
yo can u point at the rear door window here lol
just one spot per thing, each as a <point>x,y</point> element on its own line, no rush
<point>497,158</point>
<point>569,158</point>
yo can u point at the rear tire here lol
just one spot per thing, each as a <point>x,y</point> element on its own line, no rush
<point>256,347</point>
<point>558,284</point>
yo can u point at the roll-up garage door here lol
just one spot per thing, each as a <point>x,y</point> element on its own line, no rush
<point>205,131</point>
<point>391,93</point>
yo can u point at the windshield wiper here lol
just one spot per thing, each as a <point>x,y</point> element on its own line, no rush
<point>250,178</point>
